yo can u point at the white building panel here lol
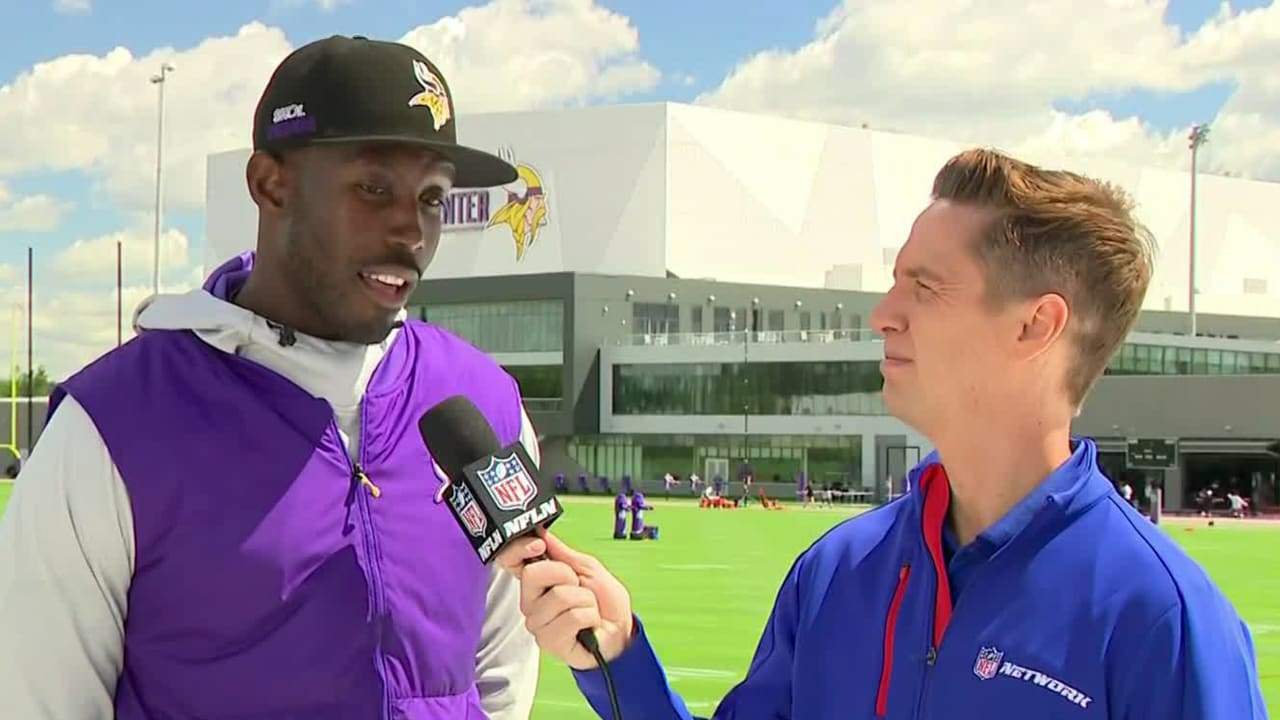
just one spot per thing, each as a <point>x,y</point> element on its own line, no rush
<point>709,193</point>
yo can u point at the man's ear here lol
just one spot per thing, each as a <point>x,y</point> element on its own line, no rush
<point>1045,321</point>
<point>268,181</point>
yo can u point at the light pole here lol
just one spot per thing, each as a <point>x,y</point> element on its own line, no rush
<point>1199,135</point>
<point>159,82</point>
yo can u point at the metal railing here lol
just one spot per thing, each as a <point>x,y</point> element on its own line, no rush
<point>738,337</point>
<point>543,404</point>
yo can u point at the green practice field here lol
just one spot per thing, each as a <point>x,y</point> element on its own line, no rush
<point>704,589</point>
<point>706,586</point>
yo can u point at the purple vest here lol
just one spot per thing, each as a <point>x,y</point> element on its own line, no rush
<point>269,582</point>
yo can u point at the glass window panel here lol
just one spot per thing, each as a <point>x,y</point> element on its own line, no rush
<point>768,388</point>
<point>541,386</point>
<point>1184,361</point>
<point>1142,359</point>
<point>1199,362</point>
<point>1229,362</point>
<point>516,326</point>
<point>1214,366</point>
<point>1128,360</point>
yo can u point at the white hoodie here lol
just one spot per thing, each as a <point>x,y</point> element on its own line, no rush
<point>67,542</point>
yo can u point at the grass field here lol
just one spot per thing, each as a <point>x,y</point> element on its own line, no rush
<point>720,569</point>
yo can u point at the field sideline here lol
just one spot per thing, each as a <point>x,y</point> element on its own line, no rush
<point>706,586</point>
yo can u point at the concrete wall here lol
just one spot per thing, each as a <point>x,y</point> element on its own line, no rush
<point>1235,407</point>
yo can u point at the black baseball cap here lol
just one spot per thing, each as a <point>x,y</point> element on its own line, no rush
<point>353,89</point>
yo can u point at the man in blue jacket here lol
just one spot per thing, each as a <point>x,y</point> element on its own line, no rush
<point>1012,582</point>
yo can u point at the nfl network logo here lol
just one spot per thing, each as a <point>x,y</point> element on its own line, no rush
<point>509,483</point>
<point>988,663</point>
<point>464,504</point>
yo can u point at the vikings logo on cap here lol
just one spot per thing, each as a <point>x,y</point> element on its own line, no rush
<point>509,483</point>
<point>433,96</point>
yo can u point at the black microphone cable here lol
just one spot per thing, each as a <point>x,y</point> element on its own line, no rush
<point>588,640</point>
<point>456,434</point>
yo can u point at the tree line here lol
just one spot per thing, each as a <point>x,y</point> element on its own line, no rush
<point>38,384</point>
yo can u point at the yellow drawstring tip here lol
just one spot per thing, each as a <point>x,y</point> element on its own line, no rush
<point>374,490</point>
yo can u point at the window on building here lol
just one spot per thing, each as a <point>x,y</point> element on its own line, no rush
<point>764,388</point>
<point>655,318</point>
<point>516,326</point>
<point>723,319</point>
<point>1135,359</point>
<point>777,320</point>
<point>541,386</point>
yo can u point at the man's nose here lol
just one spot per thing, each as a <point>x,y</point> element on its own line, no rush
<point>406,224</point>
<point>885,318</point>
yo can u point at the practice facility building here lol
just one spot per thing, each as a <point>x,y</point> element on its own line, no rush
<point>680,288</point>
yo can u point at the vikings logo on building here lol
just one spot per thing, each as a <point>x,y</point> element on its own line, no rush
<point>525,212</point>
<point>988,662</point>
<point>509,483</point>
<point>433,96</point>
<point>468,510</point>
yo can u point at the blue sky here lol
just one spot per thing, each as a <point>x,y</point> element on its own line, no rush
<point>704,40</point>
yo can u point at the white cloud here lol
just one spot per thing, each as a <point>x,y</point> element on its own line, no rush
<point>93,260</point>
<point>75,294</point>
<point>97,113</point>
<point>991,72</point>
<point>31,213</point>
<point>69,328</point>
<point>72,7</point>
<point>526,54</point>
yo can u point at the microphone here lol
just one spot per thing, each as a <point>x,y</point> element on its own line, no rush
<point>495,493</point>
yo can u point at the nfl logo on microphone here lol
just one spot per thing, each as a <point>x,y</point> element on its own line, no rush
<point>988,663</point>
<point>468,510</point>
<point>509,483</point>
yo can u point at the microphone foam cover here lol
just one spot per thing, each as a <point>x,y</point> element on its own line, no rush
<point>457,434</point>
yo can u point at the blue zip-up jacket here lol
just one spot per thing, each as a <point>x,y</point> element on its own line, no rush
<point>1071,606</point>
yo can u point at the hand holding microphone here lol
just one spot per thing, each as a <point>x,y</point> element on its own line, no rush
<point>499,498</point>
<point>565,593</point>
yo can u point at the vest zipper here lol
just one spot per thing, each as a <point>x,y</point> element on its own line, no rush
<point>358,475</point>
<point>930,659</point>
<point>377,597</point>
<point>890,630</point>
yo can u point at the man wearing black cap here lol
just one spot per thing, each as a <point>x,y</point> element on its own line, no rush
<point>233,515</point>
